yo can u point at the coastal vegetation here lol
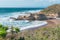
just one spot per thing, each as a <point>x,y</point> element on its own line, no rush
<point>4,30</point>
<point>43,33</point>
<point>52,9</point>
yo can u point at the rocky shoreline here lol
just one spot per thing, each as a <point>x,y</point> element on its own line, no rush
<point>31,16</point>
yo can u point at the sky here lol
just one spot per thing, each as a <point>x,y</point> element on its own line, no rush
<point>28,3</point>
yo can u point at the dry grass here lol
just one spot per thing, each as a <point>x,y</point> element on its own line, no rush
<point>42,34</point>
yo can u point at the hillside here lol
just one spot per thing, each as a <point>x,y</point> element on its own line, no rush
<point>52,9</point>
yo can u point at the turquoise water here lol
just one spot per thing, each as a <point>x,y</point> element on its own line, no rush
<point>6,13</point>
<point>14,12</point>
<point>10,10</point>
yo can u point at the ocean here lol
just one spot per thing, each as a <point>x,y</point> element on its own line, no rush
<point>10,10</point>
<point>6,13</point>
<point>15,12</point>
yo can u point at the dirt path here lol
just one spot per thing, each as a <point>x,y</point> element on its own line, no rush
<point>53,22</point>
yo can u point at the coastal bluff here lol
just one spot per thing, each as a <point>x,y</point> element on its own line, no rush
<point>52,11</point>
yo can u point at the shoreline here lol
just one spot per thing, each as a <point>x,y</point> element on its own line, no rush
<point>49,24</point>
<point>33,26</point>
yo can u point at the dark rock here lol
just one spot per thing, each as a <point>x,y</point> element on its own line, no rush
<point>31,17</point>
<point>19,18</point>
<point>42,17</point>
<point>59,14</point>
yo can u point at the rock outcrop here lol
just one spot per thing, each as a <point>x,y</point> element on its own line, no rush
<point>31,17</point>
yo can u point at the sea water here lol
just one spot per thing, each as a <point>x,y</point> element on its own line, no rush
<point>6,13</point>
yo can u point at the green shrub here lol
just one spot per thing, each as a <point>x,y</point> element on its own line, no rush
<point>3,30</point>
<point>1,25</point>
<point>3,33</point>
<point>6,28</point>
<point>17,29</point>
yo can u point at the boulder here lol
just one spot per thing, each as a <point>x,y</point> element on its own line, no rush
<point>19,18</point>
<point>31,17</point>
<point>41,17</point>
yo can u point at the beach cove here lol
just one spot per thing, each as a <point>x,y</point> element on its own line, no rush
<point>9,19</point>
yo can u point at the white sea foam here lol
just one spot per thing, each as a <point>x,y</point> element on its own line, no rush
<point>34,25</point>
<point>16,14</point>
<point>23,24</point>
<point>34,11</point>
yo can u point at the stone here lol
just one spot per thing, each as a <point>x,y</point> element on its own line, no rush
<point>41,17</point>
<point>31,17</point>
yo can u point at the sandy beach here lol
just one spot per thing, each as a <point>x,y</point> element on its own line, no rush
<point>51,23</point>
